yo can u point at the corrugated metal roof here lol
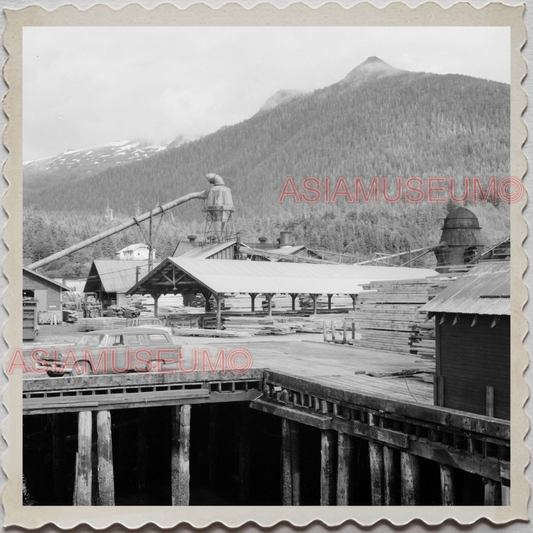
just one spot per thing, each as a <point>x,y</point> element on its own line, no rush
<point>225,276</point>
<point>116,276</point>
<point>485,290</point>
<point>45,278</point>
<point>204,252</point>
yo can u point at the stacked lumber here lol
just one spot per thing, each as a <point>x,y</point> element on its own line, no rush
<point>388,318</point>
<point>338,301</point>
<point>93,324</point>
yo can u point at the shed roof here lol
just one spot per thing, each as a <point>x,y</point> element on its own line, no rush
<point>114,275</point>
<point>226,276</point>
<point>132,247</point>
<point>205,252</point>
<point>28,272</point>
<point>485,290</point>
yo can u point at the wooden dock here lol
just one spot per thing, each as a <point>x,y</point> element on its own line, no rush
<point>357,399</point>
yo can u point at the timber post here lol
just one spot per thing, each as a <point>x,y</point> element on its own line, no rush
<point>269,302</point>
<point>58,444</point>
<point>327,468</point>
<point>492,492</point>
<point>344,468</point>
<point>218,298</point>
<point>389,475</point>
<point>293,298</point>
<point>329,301</point>
<point>375,456</point>
<point>290,462</point>
<point>212,443</point>
<point>156,304</point>
<point>253,295</point>
<point>106,482</point>
<point>446,485</point>
<point>410,482</point>
<point>180,468</point>
<point>84,471</point>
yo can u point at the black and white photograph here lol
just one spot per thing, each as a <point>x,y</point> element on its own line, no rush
<point>269,266</point>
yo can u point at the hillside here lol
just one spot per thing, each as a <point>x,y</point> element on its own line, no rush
<point>378,121</point>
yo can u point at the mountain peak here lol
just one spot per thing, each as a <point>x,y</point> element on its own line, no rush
<point>372,69</point>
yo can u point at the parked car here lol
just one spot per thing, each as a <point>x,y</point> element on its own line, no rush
<point>113,352</point>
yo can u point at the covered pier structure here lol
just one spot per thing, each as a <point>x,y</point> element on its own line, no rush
<point>186,276</point>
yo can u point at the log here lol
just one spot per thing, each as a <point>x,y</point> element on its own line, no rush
<point>344,468</point>
<point>84,473</point>
<point>492,492</point>
<point>375,453</point>
<point>389,477</point>
<point>446,485</point>
<point>410,484</point>
<point>106,481</point>
<point>180,467</point>
<point>327,468</point>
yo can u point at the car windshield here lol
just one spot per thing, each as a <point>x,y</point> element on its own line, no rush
<point>91,340</point>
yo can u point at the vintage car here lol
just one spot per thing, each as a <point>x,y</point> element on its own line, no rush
<point>113,351</point>
<point>148,322</point>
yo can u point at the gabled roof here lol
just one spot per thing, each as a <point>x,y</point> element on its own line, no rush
<point>46,279</point>
<point>114,275</point>
<point>485,290</point>
<point>205,252</point>
<point>226,276</point>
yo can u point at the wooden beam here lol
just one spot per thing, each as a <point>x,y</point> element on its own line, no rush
<point>293,297</point>
<point>375,455</point>
<point>327,468</point>
<point>446,485</point>
<point>294,429</point>
<point>84,471</point>
<point>180,467</point>
<point>106,481</point>
<point>244,452</point>
<point>344,468</point>
<point>410,484</point>
<point>286,469</point>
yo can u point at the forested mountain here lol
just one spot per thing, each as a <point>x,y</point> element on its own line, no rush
<point>378,121</point>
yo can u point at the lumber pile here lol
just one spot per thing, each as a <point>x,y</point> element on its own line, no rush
<point>93,324</point>
<point>388,318</point>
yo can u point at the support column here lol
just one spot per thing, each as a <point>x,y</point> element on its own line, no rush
<point>375,454</point>
<point>344,468</point>
<point>253,296</point>
<point>106,480</point>
<point>506,494</point>
<point>492,492</point>
<point>314,297</point>
<point>143,449</point>
<point>446,485</point>
<point>218,298</point>
<point>290,450</point>
<point>327,468</point>
<point>269,301</point>
<point>212,443</point>
<point>156,304</point>
<point>58,444</point>
<point>179,467</point>
<point>244,452</point>
<point>293,297</point>
<point>390,478</point>
<point>354,299</point>
<point>410,479</point>
<point>329,301</point>
<point>84,470</point>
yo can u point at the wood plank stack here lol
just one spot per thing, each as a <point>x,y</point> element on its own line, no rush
<point>93,324</point>
<point>387,315</point>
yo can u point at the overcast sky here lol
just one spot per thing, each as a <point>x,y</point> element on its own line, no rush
<point>88,86</point>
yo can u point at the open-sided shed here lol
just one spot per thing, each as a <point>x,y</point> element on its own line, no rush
<point>186,276</point>
<point>473,341</point>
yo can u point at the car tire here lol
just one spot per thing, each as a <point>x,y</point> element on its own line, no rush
<point>81,368</point>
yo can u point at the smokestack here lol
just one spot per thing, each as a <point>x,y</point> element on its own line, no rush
<point>285,239</point>
<point>262,240</point>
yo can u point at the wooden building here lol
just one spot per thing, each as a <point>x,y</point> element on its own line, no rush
<point>473,341</point>
<point>47,292</point>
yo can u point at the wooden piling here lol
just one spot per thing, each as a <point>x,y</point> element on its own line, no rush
<point>446,485</point>
<point>212,443</point>
<point>286,470</point>
<point>327,468</point>
<point>375,454</point>
<point>344,468</point>
<point>389,476</point>
<point>84,472</point>
<point>143,448</point>
<point>506,494</point>
<point>410,483</point>
<point>244,452</point>
<point>295,462</point>
<point>180,468</point>
<point>492,492</point>
<point>106,482</point>
<point>58,458</point>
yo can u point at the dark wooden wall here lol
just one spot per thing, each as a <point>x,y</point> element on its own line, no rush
<point>472,358</point>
